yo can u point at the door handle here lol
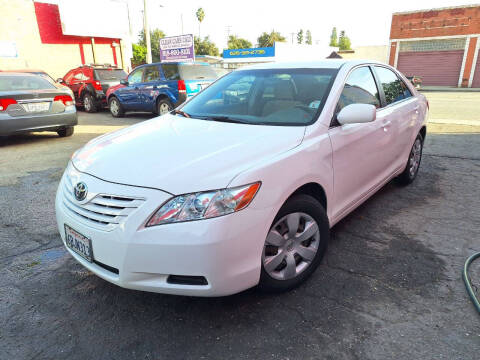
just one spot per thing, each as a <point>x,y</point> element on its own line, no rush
<point>386,124</point>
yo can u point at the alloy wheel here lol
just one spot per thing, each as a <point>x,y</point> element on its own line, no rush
<point>415,157</point>
<point>87,103</point>
<point>291,246</point>
<point>114,107</point>
<point>163,109</point>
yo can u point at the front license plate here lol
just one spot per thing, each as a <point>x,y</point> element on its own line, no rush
<point>36,107</point>
<point>78,243</point>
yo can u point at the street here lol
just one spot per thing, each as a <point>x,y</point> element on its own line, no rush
<point>389,287</point>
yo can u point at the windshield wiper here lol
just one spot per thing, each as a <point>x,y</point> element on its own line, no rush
<point>226,119</point>
<point>181,112</point>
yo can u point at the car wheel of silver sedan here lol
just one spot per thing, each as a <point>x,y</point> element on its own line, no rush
<point>295,244</point>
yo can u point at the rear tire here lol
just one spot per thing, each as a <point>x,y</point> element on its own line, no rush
<point>413,164</point>
<point>115,107</point>
<point>164,106</point>
<point>295,244</point>
<point>89,103</point>
<point>65,132</point>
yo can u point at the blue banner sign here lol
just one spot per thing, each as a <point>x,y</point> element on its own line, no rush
<point>247,53</point>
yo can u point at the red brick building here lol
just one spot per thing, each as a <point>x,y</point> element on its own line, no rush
<point>440,45</point>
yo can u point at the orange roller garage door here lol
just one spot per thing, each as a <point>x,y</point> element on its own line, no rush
<point>476,75</point>
<point>438,68</point>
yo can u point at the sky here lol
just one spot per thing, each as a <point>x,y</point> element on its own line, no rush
<point>365,22</point>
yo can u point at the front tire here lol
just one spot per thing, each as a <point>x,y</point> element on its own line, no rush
<point>295,244</point>
<point>65,132</point>
<point>413,164</point>
<point>89,103</point>
<point>115,107</point>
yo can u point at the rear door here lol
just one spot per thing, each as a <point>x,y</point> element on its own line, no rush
<point>76,82</point>
<point>150,87</point>
<point>129,95</point>
<point>359,162</point>
<point>400,113</point>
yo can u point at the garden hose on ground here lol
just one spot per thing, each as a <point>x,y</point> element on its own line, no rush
<point>468,285</point>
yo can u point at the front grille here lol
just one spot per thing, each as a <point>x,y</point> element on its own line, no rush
<point>104,211</point>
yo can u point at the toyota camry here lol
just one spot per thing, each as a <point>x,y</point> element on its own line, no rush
<point>241,185</point>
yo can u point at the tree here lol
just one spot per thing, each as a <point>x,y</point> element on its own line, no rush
<point>155,36</point>
<point>200,16</point>
<point>234,42</point>
<point>205,47</point>
<point>333,38</point>
<point>139,54</point>
<point>344,41</point>
<point>308,38</point>
<point>266,39</point>
<point>300,36</point>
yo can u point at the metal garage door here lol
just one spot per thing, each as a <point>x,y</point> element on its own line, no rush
<point>441,68</point>
<point>476,75</point>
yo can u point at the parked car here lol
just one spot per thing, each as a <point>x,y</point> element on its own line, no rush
<point>90,83</point>
<point>222,195</point>
<point>159,88</point>
<point>416,81</point>
<point>32,103</point>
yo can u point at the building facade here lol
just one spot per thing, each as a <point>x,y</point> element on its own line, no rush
<point>440,45</point>
<point>31,37</point>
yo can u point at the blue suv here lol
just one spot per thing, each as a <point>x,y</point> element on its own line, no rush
<point>159,87</point>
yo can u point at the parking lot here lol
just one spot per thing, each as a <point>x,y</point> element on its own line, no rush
<point>389,287</point>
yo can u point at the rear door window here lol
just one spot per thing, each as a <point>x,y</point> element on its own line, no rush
<point>110,74</point>
<point>151,73</point>
<point>360,88</point>
<point>196,72</point>
<point>395,90</point>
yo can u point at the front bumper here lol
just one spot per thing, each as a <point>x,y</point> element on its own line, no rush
<point>226,251</point>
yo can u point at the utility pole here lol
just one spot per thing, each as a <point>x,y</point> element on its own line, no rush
<point>146,31</point>
<point>292,34</point>
<point>227,28</point>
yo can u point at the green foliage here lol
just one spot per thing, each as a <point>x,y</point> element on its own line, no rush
<point>308,38</point>
<point>333,38</point>
<point>205,47</point>
<point>344,42</point>
<point>200,16</point>
<point>155,36</point>
<point>234,42</point>
<point>268,39</point>
<point>300,36</point>
<point>139,54</point>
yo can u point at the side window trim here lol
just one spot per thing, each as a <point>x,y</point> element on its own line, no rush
<point>383,101</point>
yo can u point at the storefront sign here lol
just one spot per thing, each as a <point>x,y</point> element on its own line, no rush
<point>247,53</point>
<point>177,48</point>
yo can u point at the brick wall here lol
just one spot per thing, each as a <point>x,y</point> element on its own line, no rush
<point>439,22</point>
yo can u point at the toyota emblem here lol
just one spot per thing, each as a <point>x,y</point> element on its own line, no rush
<point>80,190</point>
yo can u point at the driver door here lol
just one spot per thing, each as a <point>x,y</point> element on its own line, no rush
<point>358,158</point>
<point>130,95</point>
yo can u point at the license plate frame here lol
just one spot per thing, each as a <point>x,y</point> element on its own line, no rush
<point>78,243</point>
<point>35,107</point>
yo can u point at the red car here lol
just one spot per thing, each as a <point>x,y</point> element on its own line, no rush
<point>90,83</point>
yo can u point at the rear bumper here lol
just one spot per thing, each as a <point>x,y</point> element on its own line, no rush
<point>44,122</point>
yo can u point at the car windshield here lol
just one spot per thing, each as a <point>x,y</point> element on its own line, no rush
<point>17,83</point>
<point>196,72</point>
<point>110,74</point>
<point>266,97</point>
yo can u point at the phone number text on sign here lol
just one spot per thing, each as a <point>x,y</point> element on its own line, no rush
<point>176,52</point>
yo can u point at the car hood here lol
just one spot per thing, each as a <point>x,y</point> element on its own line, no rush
<point>181,155</point>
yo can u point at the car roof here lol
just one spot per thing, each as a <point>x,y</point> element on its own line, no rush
<point>175,63</point>
<point>320,64</point>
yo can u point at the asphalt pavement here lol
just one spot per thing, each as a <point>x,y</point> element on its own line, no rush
<point>389,287</point>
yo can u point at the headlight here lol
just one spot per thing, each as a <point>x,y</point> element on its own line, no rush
<point>204,205</point>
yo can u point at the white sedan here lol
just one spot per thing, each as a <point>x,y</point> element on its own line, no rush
<point>241,185</point>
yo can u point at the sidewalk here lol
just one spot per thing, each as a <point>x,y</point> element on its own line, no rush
<point>448,89</point>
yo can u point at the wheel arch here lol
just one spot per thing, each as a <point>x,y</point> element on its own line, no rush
<point>423,132</point>
<point>315,190</point>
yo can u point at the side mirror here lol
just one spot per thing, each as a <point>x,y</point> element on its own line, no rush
<point>60,81</point>
<point>357,113</point>
<point>124,82</point>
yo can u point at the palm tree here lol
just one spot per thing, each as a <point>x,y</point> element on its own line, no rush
<point>200,16</point>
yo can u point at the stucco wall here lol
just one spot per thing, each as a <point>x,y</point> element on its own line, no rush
<point>377,53</point>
